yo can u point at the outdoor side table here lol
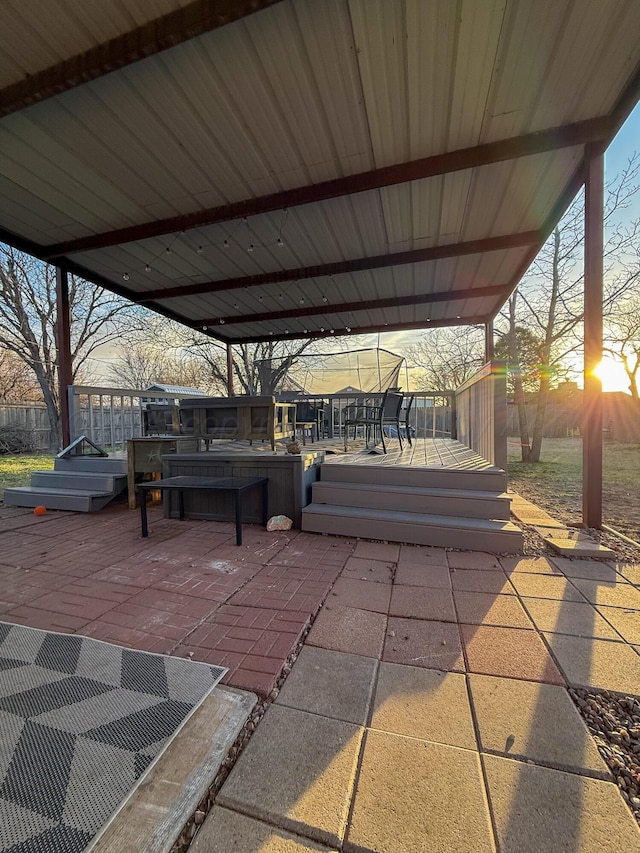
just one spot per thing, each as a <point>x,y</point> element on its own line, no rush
<point>235,486</point>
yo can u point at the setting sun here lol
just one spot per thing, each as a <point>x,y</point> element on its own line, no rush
<point>612,375</point>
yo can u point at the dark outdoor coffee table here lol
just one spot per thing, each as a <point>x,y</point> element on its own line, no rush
<point>235,486</point>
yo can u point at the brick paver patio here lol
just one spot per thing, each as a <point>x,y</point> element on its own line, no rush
<point>428,708</point>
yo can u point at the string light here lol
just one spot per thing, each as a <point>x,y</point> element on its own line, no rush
<point>147,268</point>
<point>125,276</point>
<point>199,250</point>
<point>250,249</point>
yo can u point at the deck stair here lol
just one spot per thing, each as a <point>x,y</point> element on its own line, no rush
<point>450,508</point>
<point>78,483</point>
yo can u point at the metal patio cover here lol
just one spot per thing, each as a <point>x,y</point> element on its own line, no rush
<point>272,169</point>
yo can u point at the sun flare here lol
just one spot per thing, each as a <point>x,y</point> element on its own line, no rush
<point>611,374</point>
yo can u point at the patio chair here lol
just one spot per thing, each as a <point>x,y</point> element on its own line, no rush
<point>308,417</point>
<point>405,416</point>
<point>376,418</point>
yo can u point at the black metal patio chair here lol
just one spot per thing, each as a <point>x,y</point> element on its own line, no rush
<point>376,418</point>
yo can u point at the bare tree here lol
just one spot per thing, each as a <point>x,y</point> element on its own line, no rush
<point>141,364</point>
<point>28,319</point>
<point>447,357</point>
<point>17,382</point>
<point>623,338</point>
<point>551,296</point>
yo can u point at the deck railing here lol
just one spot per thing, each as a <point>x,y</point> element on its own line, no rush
<point>109,416</point>
<point>481,413</point>
<point>432,414</point>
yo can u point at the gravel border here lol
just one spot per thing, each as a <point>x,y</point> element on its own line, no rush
<point>614,722</point>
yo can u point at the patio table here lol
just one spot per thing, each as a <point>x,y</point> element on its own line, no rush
<point>235,486</point>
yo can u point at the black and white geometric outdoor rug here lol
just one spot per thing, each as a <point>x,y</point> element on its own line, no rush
<point>80,723</point>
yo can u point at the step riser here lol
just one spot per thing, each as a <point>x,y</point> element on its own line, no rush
<point>467,507</point>
<point>69,502</point>
<point>95,465</point>
<point>413,534</point>
<point>415,477</point>
<point>91,482</point>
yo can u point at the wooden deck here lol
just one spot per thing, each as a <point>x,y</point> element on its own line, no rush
<point>423,453</point>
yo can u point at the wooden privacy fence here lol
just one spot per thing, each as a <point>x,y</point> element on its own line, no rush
<point>30,417</point>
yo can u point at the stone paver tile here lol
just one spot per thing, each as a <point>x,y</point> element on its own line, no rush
<point>333,684</point>
<point>605,664</point>
<point>309,550</point>
<point>225,831</point>
<point>537,809</point>
<point>510,652</point>
<point>473,560</point>
<point>386,551</point>
<point>532,565</point>
<point>577,547</point>
<point>423,703</point>
<point>486,608</point>
<point>625,621</point>
<point>578,618</point>
<point>422,603</point>
<point>368,570</point>
<point>414,796</point>
<point>428,575</point>
<point>297,772</point>
<point>347,629</point>
<point>364,595</point>
<point>150,620</point>
<point>116,592</point>
<point>630,571</point>
<point>422,555</point>
<point>595,570</point>
<point>418,642</point>
<point>532,721</point>
<point>618,594</point>
<point>545,586</point>
<point>472,581</point>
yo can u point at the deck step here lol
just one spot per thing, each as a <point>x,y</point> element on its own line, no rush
<point>84,480</point>
<point>100,464</point>
<point>476,534</point>
<point>452,502</point>
<point>77,500</point>
<point>491,479</point>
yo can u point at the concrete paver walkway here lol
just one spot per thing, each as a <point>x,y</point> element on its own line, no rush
<point>427,709</point>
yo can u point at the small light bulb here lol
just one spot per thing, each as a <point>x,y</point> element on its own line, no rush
<point>147,268</point>
<point>259,298</point>
<point>169,252</point>
<point>280,244</point>
<point>199,250</point>
<point>250,249</point>
<point>324,299</point>
<point>347,329</point>
<point>226,244</point>
<point>331,332</point>
<point>221,322</point>
<point>235,305</point>
<point>322,328</point>
<point>302,301</point>
<point>281,296</point>
<point>125,276</point>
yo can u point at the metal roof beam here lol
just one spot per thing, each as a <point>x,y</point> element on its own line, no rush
<point>395,259</point>
<point>193,20</point>
<point>566,136</point>
<point>366,305</point>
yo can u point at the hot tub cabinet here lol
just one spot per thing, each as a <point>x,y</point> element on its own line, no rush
<point>246,418</point>
<point>290,480</point>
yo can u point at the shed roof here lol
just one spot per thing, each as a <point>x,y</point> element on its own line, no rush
<point>272,169</point>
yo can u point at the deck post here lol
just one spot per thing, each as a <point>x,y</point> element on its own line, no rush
<point>592,408</point>
<point>488,342</point>
<point>230,390</point>
<point>63,346</point>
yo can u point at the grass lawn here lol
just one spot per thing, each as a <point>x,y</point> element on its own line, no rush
<point>16,470</point>
<point>555,483</point>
